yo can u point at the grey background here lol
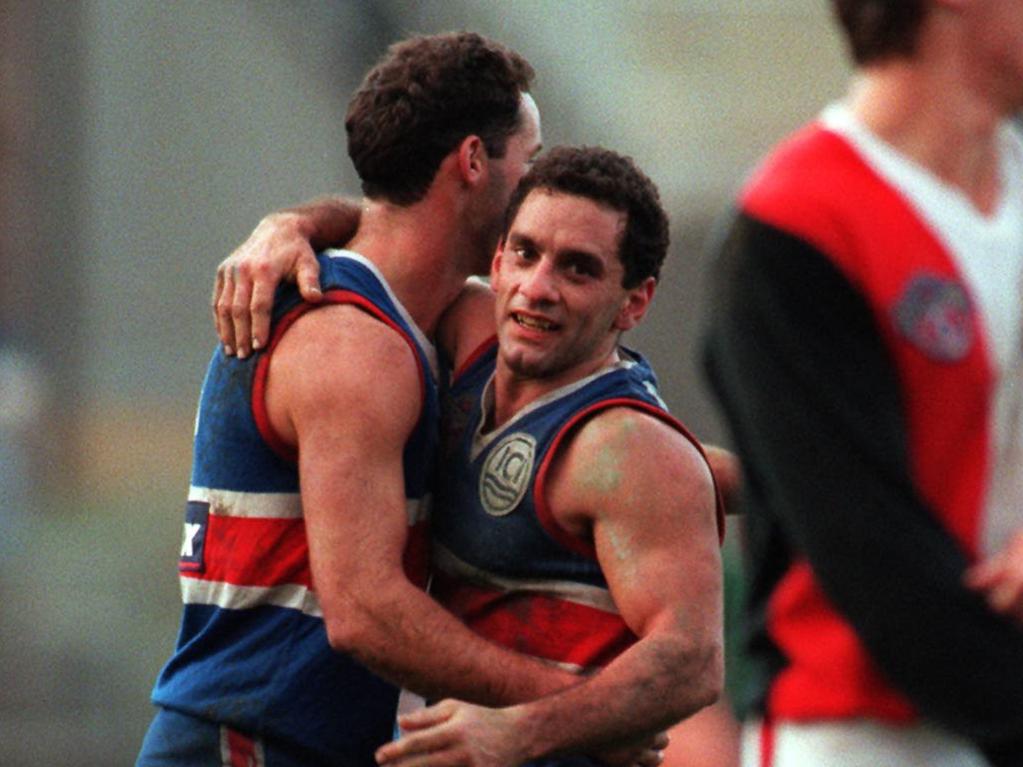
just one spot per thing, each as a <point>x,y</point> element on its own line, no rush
<point>141,141</point>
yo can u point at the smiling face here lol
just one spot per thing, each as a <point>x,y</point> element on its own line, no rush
<point>558,279</point>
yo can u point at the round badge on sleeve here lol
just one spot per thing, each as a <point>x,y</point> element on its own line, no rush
<point>506,473</point>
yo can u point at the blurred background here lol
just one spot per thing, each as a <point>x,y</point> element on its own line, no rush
<point>141,141</point>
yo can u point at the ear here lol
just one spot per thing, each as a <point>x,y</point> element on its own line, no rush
<point>495,265</point>
<point>637,301</point>
<point>472,160</point>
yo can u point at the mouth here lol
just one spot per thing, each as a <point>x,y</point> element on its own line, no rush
<point>533,323</point>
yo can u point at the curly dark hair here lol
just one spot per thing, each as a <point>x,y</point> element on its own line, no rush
<point>880,29</point>
<point>422,99</point>
<point>614,180</point>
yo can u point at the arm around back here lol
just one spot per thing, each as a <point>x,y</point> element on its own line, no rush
<point>282,247</point>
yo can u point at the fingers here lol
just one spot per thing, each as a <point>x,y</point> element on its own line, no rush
<point>453,757</point>
<point>1007,598</point>
<point>1003,590</point>
<point>1000,581</point>
<point>240,316</point>
<point>417,745</point>
<point>649,758</point>
<point>653,754</point>
<point>263,283</point>
<point>428,717</point>
<point>260,306</point>
<point>218,287</point>
<point>432,741</point>
<point>223,297</point>
<point>308,276</point>
<point>246,280</point>
<point>982,576</point>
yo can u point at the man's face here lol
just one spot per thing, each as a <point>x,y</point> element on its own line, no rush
<point>558,279</point>
<point>522,148</point>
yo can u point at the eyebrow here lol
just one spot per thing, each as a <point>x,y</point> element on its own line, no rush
<point>587,257</point>
<point>516,239</point>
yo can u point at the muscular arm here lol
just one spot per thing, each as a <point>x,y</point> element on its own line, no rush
<point>350,413</point>
<point>645,495</point>
<point>812,399</point>
<point>281,247</point>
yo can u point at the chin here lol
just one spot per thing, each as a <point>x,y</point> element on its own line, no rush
<point>521,365</point>
<point>537,369</point>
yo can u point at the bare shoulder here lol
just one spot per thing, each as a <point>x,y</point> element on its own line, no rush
<point>637,441</point>
<point>338,362</point>
<point>624,458</point>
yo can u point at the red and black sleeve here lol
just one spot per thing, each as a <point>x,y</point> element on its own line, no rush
<point>812,399</point>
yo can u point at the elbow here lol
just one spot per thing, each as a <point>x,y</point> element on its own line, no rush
<point>343,636</point>
<point>705,681</point>
<point>349,626</point>
<point>711,684</point>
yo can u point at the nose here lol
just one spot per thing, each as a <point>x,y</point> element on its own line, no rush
<point>539,284</point>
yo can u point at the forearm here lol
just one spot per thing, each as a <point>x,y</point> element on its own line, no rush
<point>324,221</point>
<point>656,683</point>
<point>408,638</point>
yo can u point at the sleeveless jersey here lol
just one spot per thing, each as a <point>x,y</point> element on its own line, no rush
<point>252,651</point>
<point>501,561</point>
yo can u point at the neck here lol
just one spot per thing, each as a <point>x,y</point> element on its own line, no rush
<point>416,250</point>
<point>932,110</point>
<point>514,391</point>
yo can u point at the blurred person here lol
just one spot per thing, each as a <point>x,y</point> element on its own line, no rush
<point>304,550</point>
<point>865,346</point>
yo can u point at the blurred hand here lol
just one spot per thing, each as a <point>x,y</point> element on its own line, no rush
<point>277,250</point>
<point>1000,579</point>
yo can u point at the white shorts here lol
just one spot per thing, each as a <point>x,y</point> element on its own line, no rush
<point>854,743</point>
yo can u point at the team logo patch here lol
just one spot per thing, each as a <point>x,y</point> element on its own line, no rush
<point>936,316</point>
<point>506,473</point>
<point>197,515</point>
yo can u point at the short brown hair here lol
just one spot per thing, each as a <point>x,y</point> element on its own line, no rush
<point>880,29</point>
<point>422,99</point>
<point>613,180</point>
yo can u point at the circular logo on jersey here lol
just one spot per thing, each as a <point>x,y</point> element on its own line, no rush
<point>506,473</point>
<point>935,315</point>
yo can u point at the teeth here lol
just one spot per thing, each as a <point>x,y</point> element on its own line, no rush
<point>534,322</point>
